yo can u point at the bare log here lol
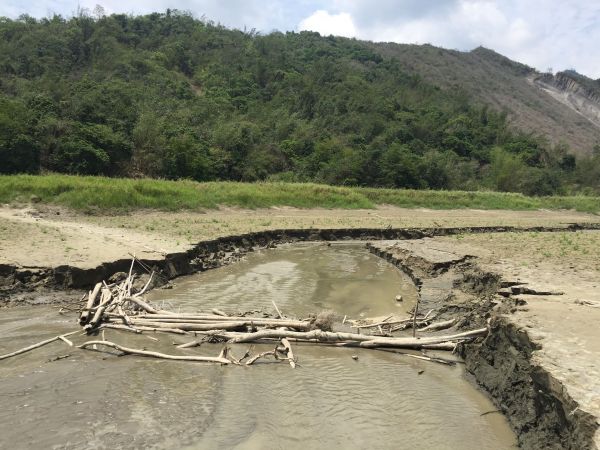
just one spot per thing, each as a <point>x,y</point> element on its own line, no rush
<point>213,317</point>
<point>262,355</point>
<point>210,317</point>
<point>290,353</point>
<point>107,298</point>
<point>439,325</point>
<point>436,359</point>
<point>129,280</point>
<point>145,288</point>
<point>90,303</point>
<point>423,319</point>
<point>238,361</point>
<point>383,322</point>
<point>145,306</point>
<point>277,309</point>
<point>37,345</point>
<point>218,312</point>
<point>116,326</point>
<point>347,338</point>
<point>449,346</point>
<point>192,343</point>
<point>192,326</point>
<point>224,352</point>
<point>298,324</point>
<point>419,342</point>
<point>124,315</point>
<point>139,329</point>
<point>133,351</point>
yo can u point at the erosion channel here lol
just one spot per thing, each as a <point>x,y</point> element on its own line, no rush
<point>335,398</point>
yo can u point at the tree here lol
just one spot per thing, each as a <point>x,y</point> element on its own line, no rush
<point>76,156</point>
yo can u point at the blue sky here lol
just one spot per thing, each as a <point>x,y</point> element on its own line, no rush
<point>558,34</point>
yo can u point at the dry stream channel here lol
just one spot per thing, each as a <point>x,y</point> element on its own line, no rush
<point>380,400</point>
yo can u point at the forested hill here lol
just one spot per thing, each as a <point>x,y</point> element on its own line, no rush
<point>167,95</point>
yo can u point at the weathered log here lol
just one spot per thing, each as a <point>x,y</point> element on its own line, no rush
<point>145,288</point>
<point>419,342</point>
<point>437,359</point>
<point>106,299</point>
<point>238,361</point>
<point>290,353</point>
<point>364,340</point>
<point>448,346</point>
<point>439,325</point>
<point>145,306</point>
<point>211,317</point>
<point>423,319</point>
<point>124,315</point>
<point>133,351</point>
<point>37,345</point>
<point>66,341</point>
<point>129,279</point>
<point>300,325</point>
<point>90,304</point>
<point>262,355</point>
<point>138,329</point>
<point>187,326</point>
<point>383,322</point>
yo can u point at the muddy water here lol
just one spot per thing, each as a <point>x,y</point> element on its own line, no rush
<point>382,400</point>
<point>300,279</point>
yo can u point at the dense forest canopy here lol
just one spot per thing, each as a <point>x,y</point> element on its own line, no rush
<point>167,95</point>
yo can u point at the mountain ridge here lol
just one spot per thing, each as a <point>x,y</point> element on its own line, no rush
<point>507,85</point>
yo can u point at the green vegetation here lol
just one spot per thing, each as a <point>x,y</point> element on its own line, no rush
<point>90,194</point>
<point>170,96</point>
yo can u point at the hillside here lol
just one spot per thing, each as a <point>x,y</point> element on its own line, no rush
<point>171,96</point>
<point>533,105</point>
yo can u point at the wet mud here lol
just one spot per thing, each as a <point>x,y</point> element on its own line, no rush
<point>380,400</point>
<point>539,410</point>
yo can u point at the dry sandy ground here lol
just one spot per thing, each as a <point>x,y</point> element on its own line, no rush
<point>48,237</point>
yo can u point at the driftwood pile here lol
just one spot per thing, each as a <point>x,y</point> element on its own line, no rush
<point>117,306</point>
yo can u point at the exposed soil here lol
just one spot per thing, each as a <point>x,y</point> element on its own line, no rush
<point>540,360</point>
<point>43,236</point>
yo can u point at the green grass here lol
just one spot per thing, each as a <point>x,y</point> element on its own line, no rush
<point>121,194</point>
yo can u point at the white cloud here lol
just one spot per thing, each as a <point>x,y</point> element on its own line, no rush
<point>325,23</point>
<point>541,33</point>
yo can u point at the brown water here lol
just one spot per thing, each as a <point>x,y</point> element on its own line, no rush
<point>382,400</point>
<point>300,279</point>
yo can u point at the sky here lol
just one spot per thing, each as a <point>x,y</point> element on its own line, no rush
<point>557,34</point>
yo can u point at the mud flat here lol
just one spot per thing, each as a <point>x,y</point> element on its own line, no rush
<point>332,400</point>
<point>540,361</point>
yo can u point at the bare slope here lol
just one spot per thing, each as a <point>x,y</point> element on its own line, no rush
<point>505,84</point>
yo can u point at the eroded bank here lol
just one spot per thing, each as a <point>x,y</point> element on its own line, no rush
<point>539,406</point>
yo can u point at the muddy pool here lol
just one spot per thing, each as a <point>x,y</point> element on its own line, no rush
<point>382,400</point>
